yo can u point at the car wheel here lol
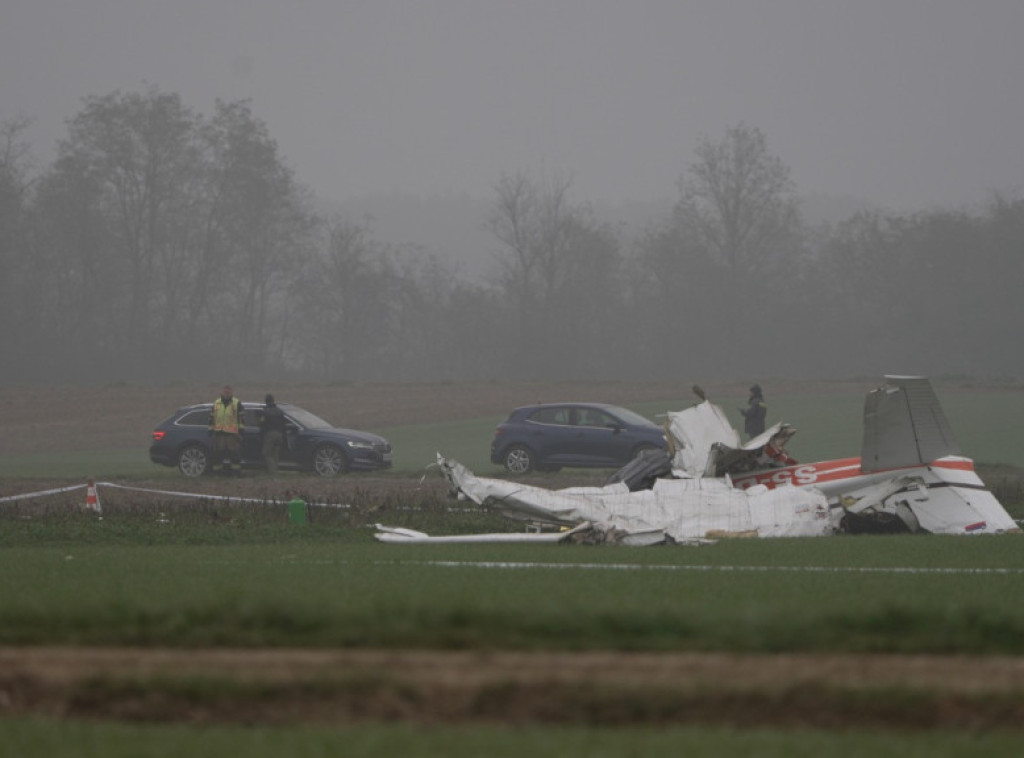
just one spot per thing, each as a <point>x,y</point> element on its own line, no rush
<point>193,460</point>
<point>519,459</point>
<point>329,460</point>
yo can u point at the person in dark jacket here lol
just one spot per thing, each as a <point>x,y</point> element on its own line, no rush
<point>755,412</point>
<point>271,433</point>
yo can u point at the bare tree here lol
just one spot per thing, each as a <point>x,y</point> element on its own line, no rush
<point>737,199</point>
<point>257,227</point>
<point>15,301</point>
<point>538,228</point>
<point>165,242</point>
<point>344,304</point>
<point>677,297</point>
<point>119,192</point>
<point>738,203</point>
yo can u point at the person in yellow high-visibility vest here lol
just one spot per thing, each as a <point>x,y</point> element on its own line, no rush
<point>226,431</point>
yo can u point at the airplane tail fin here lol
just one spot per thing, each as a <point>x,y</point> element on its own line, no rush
<point>904,425</point>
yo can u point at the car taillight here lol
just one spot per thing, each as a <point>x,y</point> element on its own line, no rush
<point>158,435</point>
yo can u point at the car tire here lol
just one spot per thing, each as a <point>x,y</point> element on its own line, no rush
<point>329,461</point>
<point>193,460</point>
<point>519,459</point>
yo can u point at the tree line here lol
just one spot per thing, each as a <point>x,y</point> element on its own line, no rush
<point>166,245</point>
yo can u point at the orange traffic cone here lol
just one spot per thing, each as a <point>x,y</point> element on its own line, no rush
<point>92,500</point>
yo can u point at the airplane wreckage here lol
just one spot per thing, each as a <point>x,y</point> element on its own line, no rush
<point>910,477</point>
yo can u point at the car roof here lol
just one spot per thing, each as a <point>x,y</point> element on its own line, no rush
<point>245,403</point>
<point>538,406</point>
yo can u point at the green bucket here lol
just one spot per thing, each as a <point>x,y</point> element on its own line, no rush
<point>297,511</point>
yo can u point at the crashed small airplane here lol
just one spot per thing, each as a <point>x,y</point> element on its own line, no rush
<point>911,477</point>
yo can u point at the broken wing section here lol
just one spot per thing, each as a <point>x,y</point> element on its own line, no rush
<point>904,425</point>
<point>403,536</point>
<point>681,509</point>
<point>586,533</point>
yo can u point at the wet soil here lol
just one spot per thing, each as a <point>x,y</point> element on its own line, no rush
<point>597,688</point>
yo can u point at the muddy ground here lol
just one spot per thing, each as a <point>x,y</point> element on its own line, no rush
<point>451,687</point>
<point>45,419</point>
<point>341,686</point>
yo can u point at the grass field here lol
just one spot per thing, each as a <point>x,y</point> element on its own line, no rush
<point>259,585</point>
<point>55,739</point>
<point>139,573</point>
<point>179,574</point>
<point>243,578</point>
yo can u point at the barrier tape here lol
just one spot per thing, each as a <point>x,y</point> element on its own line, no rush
<point>225,498</point>
<point>26,495</point>
<point>199,495</point>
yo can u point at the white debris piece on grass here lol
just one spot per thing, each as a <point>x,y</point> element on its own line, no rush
<point>683,509</point>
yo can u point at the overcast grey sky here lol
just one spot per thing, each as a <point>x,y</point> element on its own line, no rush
<point>905,103</point>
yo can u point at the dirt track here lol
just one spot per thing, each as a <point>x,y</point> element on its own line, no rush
<point>46,419</point>
<point>339,686</point>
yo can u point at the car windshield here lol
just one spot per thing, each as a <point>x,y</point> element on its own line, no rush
<point>307,420</point>
<point>635,419</point>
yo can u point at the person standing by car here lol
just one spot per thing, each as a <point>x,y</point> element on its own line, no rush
<point>271,433</point>
<point>755,412</point>
<point>226,430</point>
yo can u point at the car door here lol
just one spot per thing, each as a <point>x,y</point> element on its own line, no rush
<point>289,455</point>
<point>252,452</point>
<point>550,433</point>
<point>600,439</point>
<point>252,440</point>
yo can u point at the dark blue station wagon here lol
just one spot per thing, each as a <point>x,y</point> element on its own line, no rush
<point>549,436</point>
<point>312,444</point>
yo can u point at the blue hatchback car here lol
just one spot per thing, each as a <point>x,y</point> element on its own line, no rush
<point>549,436</point>
<point>312,444</point>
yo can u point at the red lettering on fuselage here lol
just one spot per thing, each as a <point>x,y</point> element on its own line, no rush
<point>803,474</point>
<point>828,472</point>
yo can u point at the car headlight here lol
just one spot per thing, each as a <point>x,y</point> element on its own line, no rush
<point>360,445</point>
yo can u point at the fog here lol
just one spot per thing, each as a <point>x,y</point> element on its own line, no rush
<point>406,115</point>
<point>906,103</point>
